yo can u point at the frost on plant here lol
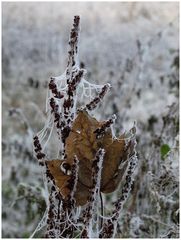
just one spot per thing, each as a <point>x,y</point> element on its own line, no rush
<point>90,159</point>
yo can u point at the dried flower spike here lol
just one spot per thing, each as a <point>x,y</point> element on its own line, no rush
<point>94,161</point>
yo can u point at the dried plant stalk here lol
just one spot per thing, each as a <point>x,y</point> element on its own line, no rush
<point>93,159</point>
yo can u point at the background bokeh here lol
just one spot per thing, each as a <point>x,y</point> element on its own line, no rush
<point>134,46</point>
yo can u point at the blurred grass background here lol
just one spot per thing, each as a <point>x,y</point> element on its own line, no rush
<point>134,46</point>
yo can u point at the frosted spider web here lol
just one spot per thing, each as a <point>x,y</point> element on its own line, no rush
<point>84,92</point>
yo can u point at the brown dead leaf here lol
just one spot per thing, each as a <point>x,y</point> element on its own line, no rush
<point>59,177</point>
<point>83,143</point>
